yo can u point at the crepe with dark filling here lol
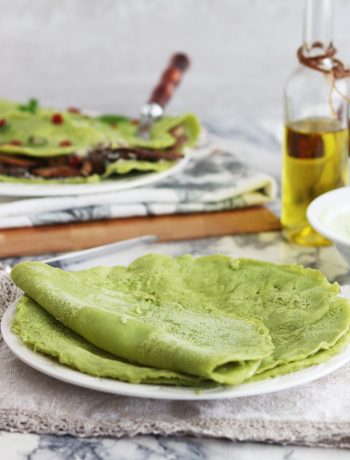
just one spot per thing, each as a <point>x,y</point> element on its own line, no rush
<point>39,145</point>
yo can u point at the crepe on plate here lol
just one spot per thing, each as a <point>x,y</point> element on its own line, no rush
<point>182,321</point>
<point>39,145</point>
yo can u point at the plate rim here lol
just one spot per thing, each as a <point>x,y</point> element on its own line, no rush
<point>48,366</point>
<point>8,189</point>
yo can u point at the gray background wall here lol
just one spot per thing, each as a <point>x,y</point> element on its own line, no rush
<point>107,54</point>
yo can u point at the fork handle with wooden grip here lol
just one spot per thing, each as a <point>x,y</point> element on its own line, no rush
<point>163,92</point>
<point>169,80</point>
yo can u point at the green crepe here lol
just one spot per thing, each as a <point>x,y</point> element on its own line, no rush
<point>202,317</point>
<point>41,331</point>
<point>40,137</point>
<point>312,360</point>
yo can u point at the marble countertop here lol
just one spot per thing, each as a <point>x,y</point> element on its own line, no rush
<point>258,144</point>
<point>33,447</point>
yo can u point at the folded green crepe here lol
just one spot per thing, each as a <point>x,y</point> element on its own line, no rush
<point>211,318</point>
<point>41,331</point>
<point>104,306</point>
<point>33,133</point>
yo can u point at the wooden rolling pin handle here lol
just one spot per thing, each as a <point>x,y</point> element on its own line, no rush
<point>170,79</point>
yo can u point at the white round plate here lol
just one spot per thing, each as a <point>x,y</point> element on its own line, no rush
<point>109,185</point>
<point>54,369</point>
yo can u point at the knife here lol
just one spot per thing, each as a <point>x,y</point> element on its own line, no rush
<point>65,260</point>
<point>162,93</point>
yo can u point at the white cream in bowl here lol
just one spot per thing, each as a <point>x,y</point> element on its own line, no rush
<point>329,214</point>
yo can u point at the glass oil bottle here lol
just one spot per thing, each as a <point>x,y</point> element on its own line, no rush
<point>316,137</point>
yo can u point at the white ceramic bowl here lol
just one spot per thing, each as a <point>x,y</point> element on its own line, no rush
<point>329,214</point>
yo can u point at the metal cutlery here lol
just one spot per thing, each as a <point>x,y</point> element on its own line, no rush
<point>162,93</point>
<point>64,260</point>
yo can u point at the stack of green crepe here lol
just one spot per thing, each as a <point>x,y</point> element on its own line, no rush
<point>182,321</point>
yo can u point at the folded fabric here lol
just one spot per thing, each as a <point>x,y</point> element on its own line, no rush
<point>213,318</point>
<point>213,180</point>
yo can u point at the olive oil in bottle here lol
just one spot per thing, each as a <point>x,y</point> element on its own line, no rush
<point>316,139</point>
<point>315,161</point>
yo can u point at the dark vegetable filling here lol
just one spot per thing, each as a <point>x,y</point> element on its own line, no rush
<point>95,162</point>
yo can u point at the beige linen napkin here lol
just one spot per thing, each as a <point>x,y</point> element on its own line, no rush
<point>316,414</point>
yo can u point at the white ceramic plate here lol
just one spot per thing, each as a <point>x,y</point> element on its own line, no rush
<point>109,185</point>
<point>54,369</point>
